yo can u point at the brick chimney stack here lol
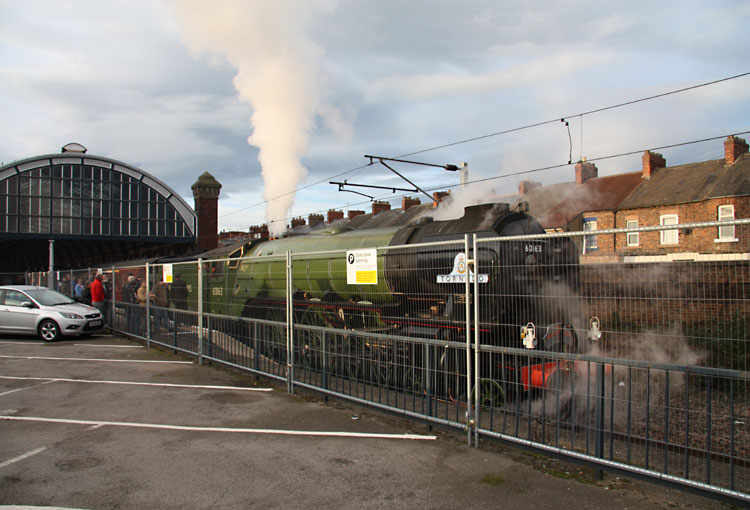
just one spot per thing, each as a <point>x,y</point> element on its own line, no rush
<point>439,196</point>
<point>652,161</point>
<point>408,202</point>
<point>378,207</point>
<point>314,219</point>
<point>298,222</point>
<point>526,186</point>
<point>585,171</point>
<point>734,148</point>
<point>206,194</point>
<point>354,214</point>
<point>334,215</point>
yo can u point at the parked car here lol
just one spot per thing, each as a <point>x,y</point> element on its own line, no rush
<point>28,309</point>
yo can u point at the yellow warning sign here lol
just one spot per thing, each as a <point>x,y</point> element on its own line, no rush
<point>367,277</point>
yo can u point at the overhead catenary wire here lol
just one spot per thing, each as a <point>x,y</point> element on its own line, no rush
<point>503,132</point>
<point>539,169</point>
<point>146,251</point>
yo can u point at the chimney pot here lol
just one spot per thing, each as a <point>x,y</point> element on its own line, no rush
<point>734,148</point>
<point>439,196</point>
<point>585,171</point>
<point>526,186</point>
<point>378,207</point>
<point>315,219</point>
<point>354,213</point>
<point>652,161</point>
<point>408,202</point>
<point>334,215</point>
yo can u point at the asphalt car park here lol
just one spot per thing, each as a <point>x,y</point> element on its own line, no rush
<point>104,422</point>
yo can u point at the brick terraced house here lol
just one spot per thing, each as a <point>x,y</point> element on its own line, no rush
<point>691,193</point>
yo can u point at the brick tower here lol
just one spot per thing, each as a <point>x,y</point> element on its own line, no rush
<point>206,193</point>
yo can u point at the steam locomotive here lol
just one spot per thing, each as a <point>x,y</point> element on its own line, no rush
<point>415,284</point>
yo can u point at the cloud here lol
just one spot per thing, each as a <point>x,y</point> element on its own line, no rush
<point>434,85</point>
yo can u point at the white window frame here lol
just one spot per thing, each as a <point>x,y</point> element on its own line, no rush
<point>633,238</point>
<point>726,234</point>
<point>669,237</point>
<point>589,241</point>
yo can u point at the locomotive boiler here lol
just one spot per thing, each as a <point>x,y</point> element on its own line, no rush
<point>418,289</point>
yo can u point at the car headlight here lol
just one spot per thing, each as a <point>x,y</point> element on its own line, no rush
<point>71,315</point>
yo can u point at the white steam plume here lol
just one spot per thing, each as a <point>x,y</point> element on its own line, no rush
<point>277,73</point>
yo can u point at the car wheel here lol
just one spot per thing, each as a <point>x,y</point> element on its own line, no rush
<point>49,331</point>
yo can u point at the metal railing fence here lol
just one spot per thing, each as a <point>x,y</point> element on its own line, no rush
<point>640,366</point>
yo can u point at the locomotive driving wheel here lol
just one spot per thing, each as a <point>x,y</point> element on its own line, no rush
<point>309,342</point>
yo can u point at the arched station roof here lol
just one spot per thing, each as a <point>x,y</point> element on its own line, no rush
<point>96,209</point>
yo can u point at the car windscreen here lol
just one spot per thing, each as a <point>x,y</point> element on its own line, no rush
<point>49,297</point>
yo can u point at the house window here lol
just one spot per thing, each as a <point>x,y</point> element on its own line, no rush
<point>668,236</point>
<point>633,238</point>
<point>726,234</point>
<point>589,241</point>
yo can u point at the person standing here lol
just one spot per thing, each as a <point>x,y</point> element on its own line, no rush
<point>98,296</point>
<point>179,292</point>
<point>142,297</point>
<point>160,302</point>
<point>130,296</point>
<point>107,287</point>
<point>78,290</point>
<point>65,285</point>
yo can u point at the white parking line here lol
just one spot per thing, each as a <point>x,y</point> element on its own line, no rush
<point>103,360</point>
<point>21,457</point>
<point>322,433</point>
<point>113,346</point>
<point>93,381</point>
<point>22,343</point>
<point>25,388</point>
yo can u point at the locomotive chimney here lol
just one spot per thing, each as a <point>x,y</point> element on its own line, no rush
<point>206,193</point>
<point>378,207</point>
<point>585,171</point>
<point>652,161</point>
<point>408,202</point>
<point>334,215</point>
<point>734,148</point>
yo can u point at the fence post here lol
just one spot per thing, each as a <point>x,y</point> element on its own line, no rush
<point>324,342</point>
<point>148,306</point>
<point>599,418</point>
<point>467,295</point>
<point>256,362</point>
<point>477,388</point>
<point>200,311</point>
<point>289,326</point>
<point>113,298</point>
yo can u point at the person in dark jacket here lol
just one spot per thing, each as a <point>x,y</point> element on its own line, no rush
<point>130,296</point>
<point>179,292</point>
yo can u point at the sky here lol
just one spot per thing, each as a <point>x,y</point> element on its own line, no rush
<point>277,98</point>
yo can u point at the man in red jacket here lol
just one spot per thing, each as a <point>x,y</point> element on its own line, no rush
<point>97,294</point>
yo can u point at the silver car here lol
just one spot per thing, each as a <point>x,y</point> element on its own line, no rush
<point>28,309</point>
